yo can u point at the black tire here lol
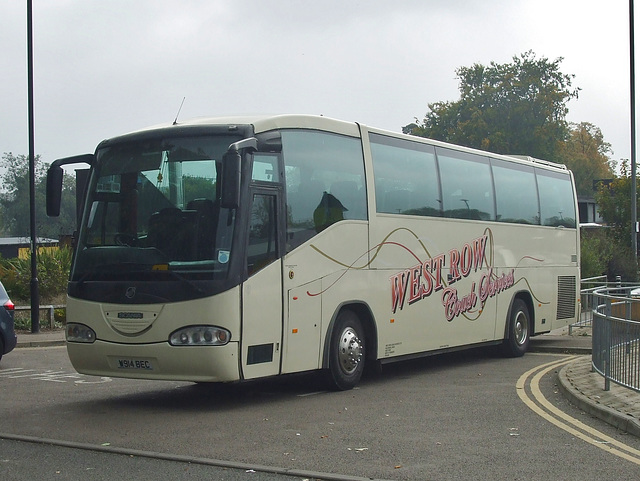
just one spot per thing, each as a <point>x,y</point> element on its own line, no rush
<point>1,348</point>
<point>346,351</point>
<point>516,342</point>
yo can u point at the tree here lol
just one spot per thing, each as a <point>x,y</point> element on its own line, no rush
<point>15,200</point>
<point>613,199</point>
<point>585,153</point>
<point>512,108</point>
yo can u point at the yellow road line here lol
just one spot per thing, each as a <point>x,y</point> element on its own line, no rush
<point>549,412</point>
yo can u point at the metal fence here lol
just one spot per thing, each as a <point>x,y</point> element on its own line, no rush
<point>616,336</point>
<point>588,301</point>
<point>49,310</point>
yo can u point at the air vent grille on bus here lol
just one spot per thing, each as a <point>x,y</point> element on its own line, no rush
<point>566,297</point>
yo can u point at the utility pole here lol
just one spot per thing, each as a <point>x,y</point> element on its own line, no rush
<point>35,296</point>
<point>634,208</point>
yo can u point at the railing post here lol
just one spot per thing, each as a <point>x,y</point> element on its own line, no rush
<point>606,345</point>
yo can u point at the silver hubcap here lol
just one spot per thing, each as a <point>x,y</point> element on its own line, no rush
<point>349,350</point>
<point>520,328</point>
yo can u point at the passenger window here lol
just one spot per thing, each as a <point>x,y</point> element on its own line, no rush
<point>406,178</point>
<point>557,207</point>
<point>467,186</point>
<point>516,194</point>
<point>325,182</point>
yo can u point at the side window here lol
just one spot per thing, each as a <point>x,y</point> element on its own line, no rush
<point>265,168</point>
<point>262,233</point>
<point>324,182</point>
<point>516,194</point>
<point>467,187</point>
<point>557,206</point>
<point>406,176</point>
<point>104,220</point>
<point>113,209</point>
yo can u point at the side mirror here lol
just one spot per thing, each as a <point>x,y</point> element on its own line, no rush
<point>55,175</point>
<point>54,190</point>
<point>231,170</point>
<point>230,195</point>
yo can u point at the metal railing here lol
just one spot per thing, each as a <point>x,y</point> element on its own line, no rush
<point>588,301</point>
<point>616,336</point>
<point>49,310</point>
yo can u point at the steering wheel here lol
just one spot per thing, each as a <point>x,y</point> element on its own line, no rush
<point>123,239</point>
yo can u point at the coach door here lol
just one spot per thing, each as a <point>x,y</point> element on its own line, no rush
<point>262,291</point>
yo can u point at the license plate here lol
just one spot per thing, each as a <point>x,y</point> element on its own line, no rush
<point>135,364</point>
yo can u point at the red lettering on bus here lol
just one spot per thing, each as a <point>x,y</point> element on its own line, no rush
<point>479,246</point>
<point>465,259</point>
<point>454,261</point>
<point>415,287</point>
<point>398,289</point>
<point>424,279</point>
<point>454,306</point>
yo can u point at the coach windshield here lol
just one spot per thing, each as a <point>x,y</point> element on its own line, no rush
<point>153,213</point>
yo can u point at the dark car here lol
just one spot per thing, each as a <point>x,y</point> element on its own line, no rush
<point>8,337</point>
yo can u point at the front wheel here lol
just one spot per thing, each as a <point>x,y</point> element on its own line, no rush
<point>516,342</point>
<point>346,351</point>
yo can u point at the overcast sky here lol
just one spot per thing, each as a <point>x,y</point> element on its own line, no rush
<point>107,67</point>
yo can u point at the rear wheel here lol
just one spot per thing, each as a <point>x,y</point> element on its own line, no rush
<point>517,341</point>
<point>347,351</point>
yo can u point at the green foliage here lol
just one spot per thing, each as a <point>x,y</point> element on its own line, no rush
<point>614,204</point>
<point>198,188</point>
<point>603,253</point>
<point>22,319</point>
<point>53,273</point>
<point>513,108</point>
<point>15,204</point>
<point>585,153</point>
<point>593,255</point>
<point>622,263</point>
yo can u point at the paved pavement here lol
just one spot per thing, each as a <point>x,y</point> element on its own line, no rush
<point>45,338</point>
<point>619,406</point>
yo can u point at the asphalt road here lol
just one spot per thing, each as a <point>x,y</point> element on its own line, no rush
<point>458,416</point>
<point>34,461</point>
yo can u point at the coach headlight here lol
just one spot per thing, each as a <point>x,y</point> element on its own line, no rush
<point>80,333</point>
<point>200,336</point>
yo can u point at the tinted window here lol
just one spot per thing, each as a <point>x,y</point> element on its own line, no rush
<point>406,177</point>
<point>262,233</point>
<point>467,188</point>
<point>325,182</point>
<point>516,194</point>
<point>556,199</point>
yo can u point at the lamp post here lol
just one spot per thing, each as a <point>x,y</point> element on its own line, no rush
<point>35,297</point>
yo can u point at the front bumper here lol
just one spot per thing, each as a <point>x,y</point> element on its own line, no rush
<point>159,361</point>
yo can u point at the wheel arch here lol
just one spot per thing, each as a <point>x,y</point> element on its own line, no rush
<point>364,313</point>
<point>526,297</point>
